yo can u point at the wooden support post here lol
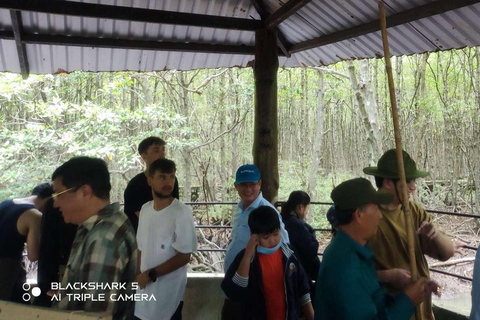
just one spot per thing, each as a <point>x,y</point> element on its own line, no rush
<point>265,141</point>
<point>398,144</point>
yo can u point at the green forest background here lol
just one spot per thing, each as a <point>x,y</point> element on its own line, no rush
<point>333,121</point>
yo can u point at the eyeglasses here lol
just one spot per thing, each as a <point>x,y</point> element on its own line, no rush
<point>55,195</point>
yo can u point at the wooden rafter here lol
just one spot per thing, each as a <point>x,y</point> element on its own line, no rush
<point>284,12</point>
<point>396,19</point>
<point>119,43</point>
<point>71,8</point>
<point>16,17</point>
<point>281,40</point>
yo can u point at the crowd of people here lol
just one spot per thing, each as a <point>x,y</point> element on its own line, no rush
<point>94,257</point>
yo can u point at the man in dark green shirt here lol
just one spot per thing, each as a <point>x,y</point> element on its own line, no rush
<point>347,284</point>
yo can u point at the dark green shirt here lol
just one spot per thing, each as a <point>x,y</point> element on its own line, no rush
<point>348,287</point>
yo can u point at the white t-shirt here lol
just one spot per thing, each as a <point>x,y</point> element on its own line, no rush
<point>161,234</point>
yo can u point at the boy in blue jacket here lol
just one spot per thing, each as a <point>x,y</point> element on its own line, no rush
<point>266,277</point>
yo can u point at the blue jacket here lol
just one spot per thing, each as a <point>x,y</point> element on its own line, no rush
<point>348,287</point>
<point>249,291</point>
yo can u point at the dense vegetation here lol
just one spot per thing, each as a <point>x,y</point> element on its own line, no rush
<point>333,122</point>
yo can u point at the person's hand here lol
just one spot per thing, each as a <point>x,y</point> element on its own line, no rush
<point>428,229</point>
<point>143,280</point>
<point>433,287</point>
<point>458,245</point>
<point>252,244</point>
<point>422,288</point>
<point>52,293</point>
<point>399,278</point>
<point>416,291</point>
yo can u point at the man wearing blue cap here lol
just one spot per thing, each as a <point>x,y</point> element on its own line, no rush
<point>247,184</point>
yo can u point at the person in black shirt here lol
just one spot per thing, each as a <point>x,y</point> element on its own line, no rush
<point>138,192</point>
<point>20,221</point>
<point>302,236</point>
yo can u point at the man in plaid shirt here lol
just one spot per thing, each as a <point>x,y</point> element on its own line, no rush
<point>103,260</point>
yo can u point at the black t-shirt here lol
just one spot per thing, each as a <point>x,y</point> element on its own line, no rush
<point>11,241</point>
<point>137,193</point>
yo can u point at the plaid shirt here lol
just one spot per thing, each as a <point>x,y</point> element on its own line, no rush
<point>104,252</point>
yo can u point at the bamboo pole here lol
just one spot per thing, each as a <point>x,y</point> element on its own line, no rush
<point>399,149</point>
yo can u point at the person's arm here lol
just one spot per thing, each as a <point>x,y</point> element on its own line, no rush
<point>172,264</point>
<point>33,219</point>
<point>396,277</point>
<point>307,311</point>
<point>235,283</point>
<point>434,242</point>
<point>244,268</point>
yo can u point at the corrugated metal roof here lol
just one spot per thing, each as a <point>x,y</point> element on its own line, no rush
<point>454,29</point>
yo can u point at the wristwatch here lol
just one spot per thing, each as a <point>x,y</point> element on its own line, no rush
<point>152,274</point>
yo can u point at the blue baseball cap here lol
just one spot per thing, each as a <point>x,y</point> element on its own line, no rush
<point>247,173</point>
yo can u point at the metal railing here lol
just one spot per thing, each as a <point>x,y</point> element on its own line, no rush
<point>278,204</point>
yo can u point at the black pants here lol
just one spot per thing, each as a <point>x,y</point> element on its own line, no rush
<point>177,315</point>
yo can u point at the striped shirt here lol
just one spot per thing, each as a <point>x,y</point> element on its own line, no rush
<point>102,263</point>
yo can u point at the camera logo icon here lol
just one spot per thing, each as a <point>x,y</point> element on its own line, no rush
<point>35,292</point>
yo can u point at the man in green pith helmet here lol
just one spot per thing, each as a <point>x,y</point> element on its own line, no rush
<point>390,244</point>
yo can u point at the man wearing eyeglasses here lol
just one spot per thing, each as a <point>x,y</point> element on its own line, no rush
<point>103,259</point>
<point>390,244</point>
<point>138,191</point>
<point>248,185</point>
<point>20,221</point>
<point>166,239</point>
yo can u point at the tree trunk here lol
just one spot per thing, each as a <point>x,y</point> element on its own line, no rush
<point>317,142</point>
<point>360,93</point>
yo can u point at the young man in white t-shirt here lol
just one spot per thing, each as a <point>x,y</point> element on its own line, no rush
<point>166,238</point>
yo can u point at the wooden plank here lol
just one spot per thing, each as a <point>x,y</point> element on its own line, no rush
<point>10,310</point>
<point>119,43</point>
<point>396,19</point>
<point>16,17</point>
<point>284,12</point>
<point>131,14</point>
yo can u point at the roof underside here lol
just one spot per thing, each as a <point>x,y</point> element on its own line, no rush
<point>321,32</point>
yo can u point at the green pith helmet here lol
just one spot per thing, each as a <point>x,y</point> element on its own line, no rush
<point>387,167</point>
<point>354,193</point>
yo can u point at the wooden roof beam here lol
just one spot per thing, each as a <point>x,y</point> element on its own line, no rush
<point>396,19</point>
<point>119,43</point>
<point>80,9</point>
<point>281,40</point>
<point>284,12</point>
<point>16,17</point>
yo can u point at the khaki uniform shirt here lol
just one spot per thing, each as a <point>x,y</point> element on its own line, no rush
<point>390,246</point>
